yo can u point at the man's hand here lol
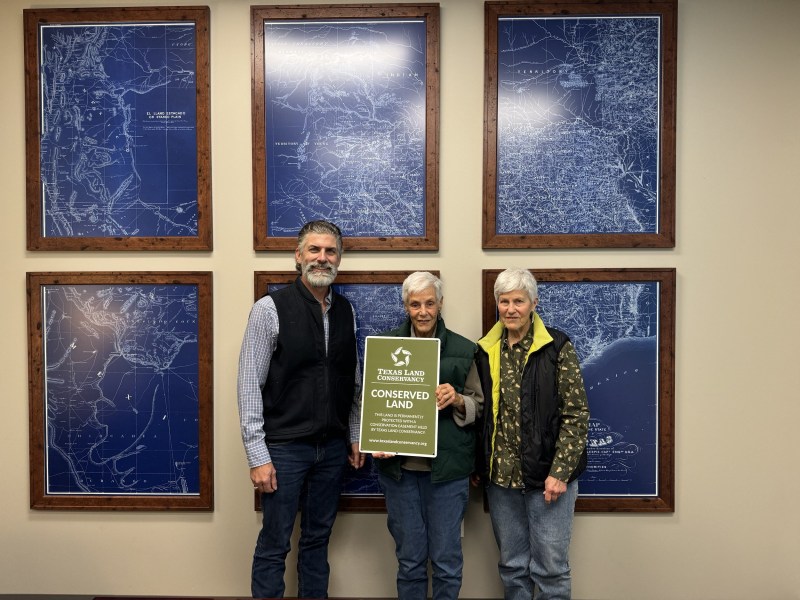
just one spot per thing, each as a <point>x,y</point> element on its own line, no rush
<point>355,458</point>
<point>264,478</point>
<point>553,488</point>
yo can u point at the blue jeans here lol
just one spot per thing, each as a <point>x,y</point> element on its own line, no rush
<point>533,538</point>
<point>424,519</point>
<point>310,477</point>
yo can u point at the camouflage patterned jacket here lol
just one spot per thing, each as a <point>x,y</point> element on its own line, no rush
<point>553,410</point>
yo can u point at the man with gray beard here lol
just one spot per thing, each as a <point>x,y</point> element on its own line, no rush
<point>299,410</point>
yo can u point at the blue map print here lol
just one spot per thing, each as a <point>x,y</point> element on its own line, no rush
<point>578,125</point>
<point>345,135</point>
<point>118,145</point>
<point>614,328</point>
<point>121,389</point>
<point>379,308</point>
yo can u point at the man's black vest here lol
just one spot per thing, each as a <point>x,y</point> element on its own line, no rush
<point>309,392</point>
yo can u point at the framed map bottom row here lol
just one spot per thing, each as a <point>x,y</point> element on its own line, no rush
<point>622,324</point>
<point>377,299</point>
<point>120,384</point>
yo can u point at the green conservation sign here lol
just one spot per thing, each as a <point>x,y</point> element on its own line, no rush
<point>398,410</point>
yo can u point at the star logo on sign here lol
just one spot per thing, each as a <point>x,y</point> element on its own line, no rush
<point>400,357</point>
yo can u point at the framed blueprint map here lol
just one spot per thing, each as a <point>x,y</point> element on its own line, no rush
<point>120,380</point>
<point>622,324</point>
<point>345,123</point>
<point>579,138</point>
<point>377,300</point>
<point>117,128</point>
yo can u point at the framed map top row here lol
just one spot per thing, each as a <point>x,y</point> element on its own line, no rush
<point>579,125</point>
<point>117,128</point>
<point>579,131</point>
<point>345,123</point>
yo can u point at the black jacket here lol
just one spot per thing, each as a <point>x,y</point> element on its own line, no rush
<point>308,393</point>
<point>539,408</point>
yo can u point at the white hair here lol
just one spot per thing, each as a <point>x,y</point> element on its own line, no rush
<point>516,279</point>
<point>419,281</point>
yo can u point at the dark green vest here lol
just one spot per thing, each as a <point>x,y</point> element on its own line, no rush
<point>455,450</point>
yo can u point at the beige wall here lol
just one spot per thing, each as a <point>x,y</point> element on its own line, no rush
<point>735,531</point>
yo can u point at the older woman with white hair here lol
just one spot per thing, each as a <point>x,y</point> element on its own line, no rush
<point>533,441</point>
<point>426,498</point>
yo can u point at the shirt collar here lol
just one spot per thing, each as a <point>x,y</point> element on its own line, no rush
<point>328,300</point>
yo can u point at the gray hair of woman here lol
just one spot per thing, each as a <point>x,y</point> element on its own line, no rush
<point>511,280</point>
<point>419,281</point>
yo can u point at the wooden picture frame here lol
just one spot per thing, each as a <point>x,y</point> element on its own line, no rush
<point>121,388</point>
<point>364,289</point>
<point>622,324</point>
<point>579,124</point>
<point>117,128</point>
<point>319,152</point>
